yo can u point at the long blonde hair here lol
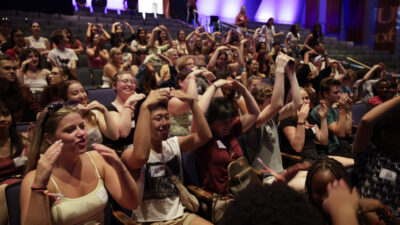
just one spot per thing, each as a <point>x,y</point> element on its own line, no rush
<point>48,122</point>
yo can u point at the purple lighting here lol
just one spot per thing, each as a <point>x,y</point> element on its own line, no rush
<point>284,11</point>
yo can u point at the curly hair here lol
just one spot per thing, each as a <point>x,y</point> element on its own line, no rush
<point>333,165</point>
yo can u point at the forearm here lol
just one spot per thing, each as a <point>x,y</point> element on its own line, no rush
<point>129,198</point>
<point>297,142</point>
<point>200,122</point>
<point>125,122</point>
<point>38,210</point>
<point>142,138</point>
<point>278,91</point>
<point>205,99</point>
<point>213,60</point>
<point>192,88</point>
<point>340,129</point>
<point>251,104</point>
<point>111,131</point>
<point>324,133</point>
<point>296,98</point>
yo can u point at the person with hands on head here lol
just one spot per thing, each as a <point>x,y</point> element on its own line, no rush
<point>98,119</point>
<point>219,65</point>
<point>64,183</point>
<point>97,54</point>
<point>94,29</point>
<point>226,126</point>
<point>341,203</point>
<point>155,156</point>
<point>117,31</point>
<point>32,72</point>
<point>123,110</point>
<point>37,42</point>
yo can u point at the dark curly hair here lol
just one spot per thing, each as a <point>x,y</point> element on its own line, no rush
<point>333,165</point>
<point>270,204</point>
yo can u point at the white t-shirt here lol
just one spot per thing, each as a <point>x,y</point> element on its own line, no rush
<point>63,58</point>
<point>293,40</point>
<point>269,33</point>
<point>160,198</point>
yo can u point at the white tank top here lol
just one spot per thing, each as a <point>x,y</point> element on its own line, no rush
<point>37,44</point>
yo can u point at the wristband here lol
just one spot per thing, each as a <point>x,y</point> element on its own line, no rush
<point>215,86</point>
<point>35,188</point>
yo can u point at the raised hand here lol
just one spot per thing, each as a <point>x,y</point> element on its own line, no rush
<point>322,109</point>
<point>281,61</point>
<point>302,113</point>
<point>343,100</point>
<point>133,99</point>
<point>46,164</point>
<point>95,105</point>
<point>182,96</point>
<point>156,96</point>
<point>109,155</point>
<point>221,82</point>
<point>340,197</point>
<point>237,86</point>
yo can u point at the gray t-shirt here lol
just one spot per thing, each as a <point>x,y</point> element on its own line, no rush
<point>263,142</point>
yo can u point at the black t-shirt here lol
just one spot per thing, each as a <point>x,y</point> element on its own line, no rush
<point>122,143</point>
<point>309,151</point>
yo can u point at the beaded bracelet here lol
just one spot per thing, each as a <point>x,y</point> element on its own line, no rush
<point>44,191</point>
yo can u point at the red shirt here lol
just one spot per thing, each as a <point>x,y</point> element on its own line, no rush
<point>213,159</point>
<point>375,101</point>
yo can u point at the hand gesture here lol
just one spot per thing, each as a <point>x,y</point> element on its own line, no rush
<point>127,24</point>
<point>95,105</point>
<point>46,164</point>
<point>26,62</point>
<point>343,100</point>
<point>340,197</point>
<point>109,155</point>
<point>133,99</point>
<point>100,26</point>
<point>156,96</point>
<point>182,96</point>
<point>322,109</point>
<point>222,47</point>
<point>116,23</point>
<point>281,61</point>
<point>237,86</point>
<point>165,59</point>
<point>221,82</point>
<point>291,172</point>
<point>208,75</point>
<point>302,113</point>
<point>89,24</point>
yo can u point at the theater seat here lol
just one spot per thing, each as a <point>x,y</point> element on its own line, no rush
<point>103,95</point>
<point>12,200</point>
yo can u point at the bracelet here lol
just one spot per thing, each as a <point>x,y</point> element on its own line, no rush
<point>215,86</point>
<point>35,188</point>
<point>301,123</point>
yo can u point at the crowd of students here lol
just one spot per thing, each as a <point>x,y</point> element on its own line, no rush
<point>221,96</point>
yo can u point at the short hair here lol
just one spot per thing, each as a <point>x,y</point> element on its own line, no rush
<point>220,109</point>
<point>181,63</point>
<point>270,204</point>
<point>120,73</point>
<point>326,84</point>
<point>261,92</point>
<point>159,105</point>
<point>251,79</point>
<point>338,170</point>
<point>57,36</point>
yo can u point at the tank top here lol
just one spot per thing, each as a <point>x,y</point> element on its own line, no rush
<point>35,84</point>
<point>88,209</point>
<point>37,44</point>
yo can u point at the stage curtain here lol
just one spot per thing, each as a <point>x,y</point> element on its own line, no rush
<point>312,10</point>
<point>355,29</point>
<point>333,16</point>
